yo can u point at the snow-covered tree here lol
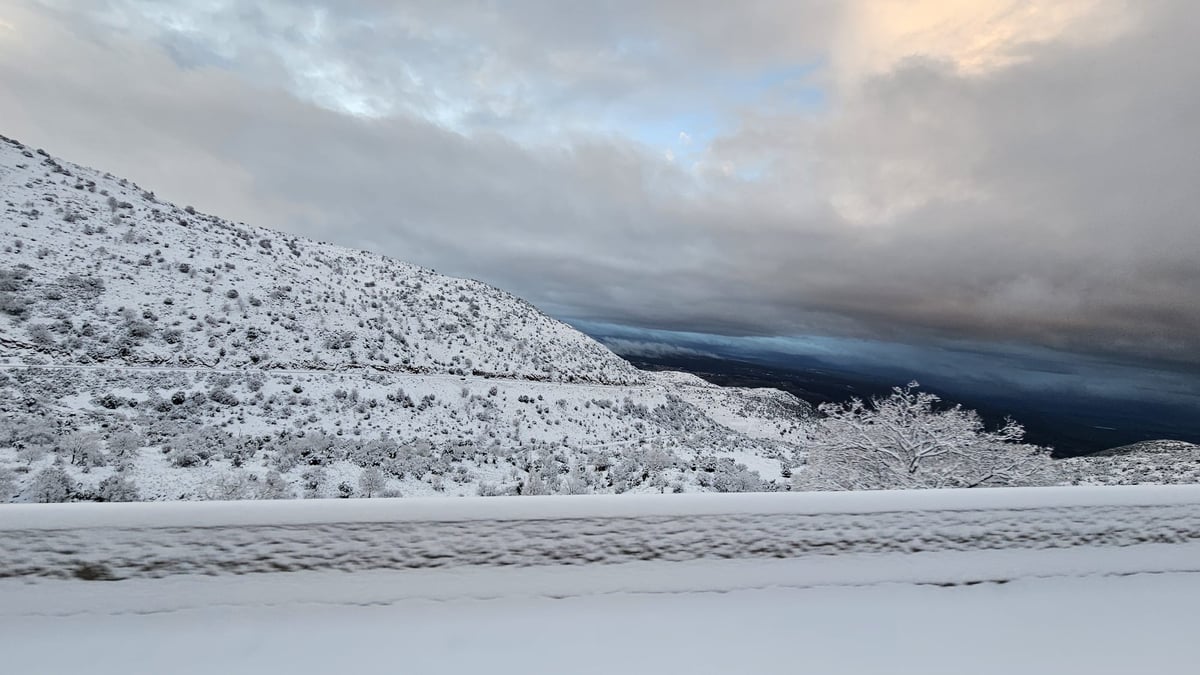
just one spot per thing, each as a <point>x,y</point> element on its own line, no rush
<point>83,448</point>
<point>124,444</point>
<point>904,441</point>
<point>371,481</point>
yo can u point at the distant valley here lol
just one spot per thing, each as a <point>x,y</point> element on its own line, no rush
<point>1072,426</point>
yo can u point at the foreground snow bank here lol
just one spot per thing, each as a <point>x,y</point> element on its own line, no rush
<point>1084,610</point>
<point>124,541</point>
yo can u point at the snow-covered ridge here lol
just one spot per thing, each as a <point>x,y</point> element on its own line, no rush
<point>94,269</point>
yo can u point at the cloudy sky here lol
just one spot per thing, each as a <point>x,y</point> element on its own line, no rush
<point>1018,177</point>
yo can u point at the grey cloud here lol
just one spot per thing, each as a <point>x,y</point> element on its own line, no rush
<point>1049,202</point>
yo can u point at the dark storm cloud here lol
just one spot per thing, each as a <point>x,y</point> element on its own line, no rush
<point>1049,199</point>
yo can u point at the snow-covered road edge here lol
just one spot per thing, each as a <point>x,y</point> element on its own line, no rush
<point>76,516</point>
<point>150,540</point>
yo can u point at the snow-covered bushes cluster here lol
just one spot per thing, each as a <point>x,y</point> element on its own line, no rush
<point>1151,462</point>
<point>196,434</point>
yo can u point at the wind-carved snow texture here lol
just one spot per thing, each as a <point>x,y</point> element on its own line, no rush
<point>1024,520</point>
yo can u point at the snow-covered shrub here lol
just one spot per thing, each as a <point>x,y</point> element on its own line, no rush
<point>223,396</point>
<point>627,473</point>
<point>232,485</point>
<point>487,489</point>
<point>14,305</point>
<point>725,475</point>
<point>273,486</point>
<point>23,432</point>
<point>52,485</point>
<point>375,452</point>
<point>117,488</point>
<point>536,484</point>
<point>8,484</point>
<point>412,459</point>
<point>124,445</point>
<point>197,447</point>
<point>313,481</point>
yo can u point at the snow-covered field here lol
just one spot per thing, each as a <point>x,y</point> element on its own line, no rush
<point>1004,581</point>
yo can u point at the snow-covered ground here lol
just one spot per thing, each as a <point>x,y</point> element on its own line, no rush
<point>147,540</point>
<point>430,434</point>
<point>1092,611</point>
<point>986,593</point>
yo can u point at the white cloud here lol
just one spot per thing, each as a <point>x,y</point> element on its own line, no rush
<point>1023,177</point>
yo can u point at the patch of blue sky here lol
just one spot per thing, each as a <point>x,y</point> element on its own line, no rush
<point>791,88</point>
<point>687,125</point>
<point>682,131</point>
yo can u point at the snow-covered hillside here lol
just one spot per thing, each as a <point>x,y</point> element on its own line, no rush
<point>1157,462</point>
<point>148,351</point>
<point>94,269</point>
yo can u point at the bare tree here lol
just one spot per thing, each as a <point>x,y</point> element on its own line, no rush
<point>902,441</point>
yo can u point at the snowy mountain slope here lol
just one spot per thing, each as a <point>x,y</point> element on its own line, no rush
<point>763,413</point>
<point>151,352</point>
<point>93,269</point>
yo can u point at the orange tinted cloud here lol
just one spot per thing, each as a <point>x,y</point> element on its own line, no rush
<point>975,35</point>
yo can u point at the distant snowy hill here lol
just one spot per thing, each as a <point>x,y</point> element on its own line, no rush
<point>149,351</point>
<point>1157,462</point>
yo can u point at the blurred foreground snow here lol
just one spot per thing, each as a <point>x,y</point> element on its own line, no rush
<point>995,587</point>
